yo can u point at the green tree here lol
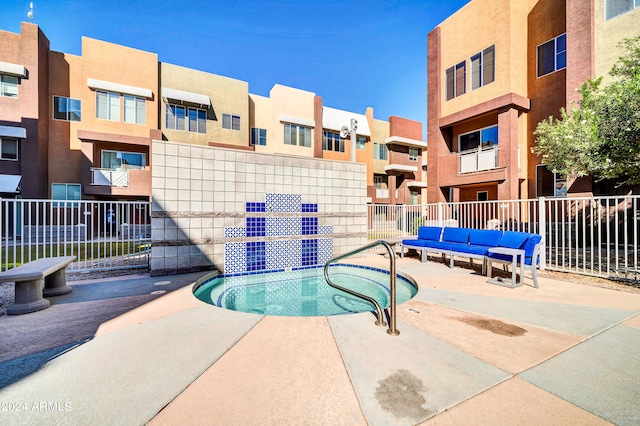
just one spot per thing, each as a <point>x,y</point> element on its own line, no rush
<point>599,135</point>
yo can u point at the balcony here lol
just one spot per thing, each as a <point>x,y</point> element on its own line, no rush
<point>478,160</point>
<point>108,177</point>
<point>132,182</point>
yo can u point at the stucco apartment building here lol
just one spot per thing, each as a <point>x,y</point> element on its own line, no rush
<point>82,126</point>
<point>496,68</point>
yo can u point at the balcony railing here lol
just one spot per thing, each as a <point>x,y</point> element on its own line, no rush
<point>108,177</point>
<point>479,160</point>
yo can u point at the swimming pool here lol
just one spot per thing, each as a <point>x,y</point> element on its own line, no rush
<point>304,291</point>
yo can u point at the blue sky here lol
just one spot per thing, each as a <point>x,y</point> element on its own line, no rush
<point>354,54</point>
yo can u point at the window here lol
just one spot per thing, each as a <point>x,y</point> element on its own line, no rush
<point>114,160</point>
<point>230,122</point>
<point>483,67</point>
<point>295,134</point>
<point>332,142</point>
<point>618,7</point>
<point>107,105</point>
<point>361,142</point>
<point>8,149</point>
<point>258,136</point>
<point>456,77</point>
<point>67,109</point>
<point>175,117</point>
<point>482,195</point>
<point>65,191</point>
<point>413,154</point>
<point>9,86</point>
<point>413,197</point>
<point>134,110</point>
<point>552,55</point>
<point>549,183</point>
<point>198,120</point>
<point>380,151</point>
<point>485,138</point>
<point>379,182</point>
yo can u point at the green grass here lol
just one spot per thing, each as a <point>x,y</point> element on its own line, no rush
<point>21,255</point>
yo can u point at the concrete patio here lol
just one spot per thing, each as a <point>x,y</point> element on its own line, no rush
<point>111,352</point>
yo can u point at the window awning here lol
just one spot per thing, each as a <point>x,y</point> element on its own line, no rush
<point>416,184</point>
<point>10,184</point>
<point>399,140</point>
<point>13,132</point>
<point>334,119</point>
<point>119,88</point>
<point>400,168</point>
<point>184,96</point>
<point>13,69</point>
<point>297,120</point>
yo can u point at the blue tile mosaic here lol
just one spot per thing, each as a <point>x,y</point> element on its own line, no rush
<point>256,226</point>
<point>234,232</point>
<point>255,207</point>
<point>257,256</point>
<point>309,225</point>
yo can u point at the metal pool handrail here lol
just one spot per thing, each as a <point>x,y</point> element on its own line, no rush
<point>392,330</point>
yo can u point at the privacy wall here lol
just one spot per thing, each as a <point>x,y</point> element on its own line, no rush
<point>239,211</point>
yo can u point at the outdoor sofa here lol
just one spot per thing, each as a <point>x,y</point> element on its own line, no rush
<point>520,249</point>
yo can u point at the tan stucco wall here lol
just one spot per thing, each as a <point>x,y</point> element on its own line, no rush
<point>379,132</point>
<point>260,116</point>
<point>609,33</point>
<point>123,65</point>
<point>228,96</point>
<point>460,42</point>
<point>292,102</point>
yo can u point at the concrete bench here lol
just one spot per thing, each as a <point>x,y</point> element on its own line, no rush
<point>28,279</point>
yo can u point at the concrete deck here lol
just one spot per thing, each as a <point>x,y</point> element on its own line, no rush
<point>111,352</point>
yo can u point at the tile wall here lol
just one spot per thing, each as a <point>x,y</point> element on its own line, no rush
<point>238,211</point>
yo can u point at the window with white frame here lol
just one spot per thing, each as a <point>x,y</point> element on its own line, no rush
<point>176,115</point>
<point>456,80</point>
<point>552,55</point>
<point>122,160</point>
<point>549,183</point>
<point>65,191</point>
<point>295,134</point>
<point>380,151</point>
<point>413,154</point>
<point>67,109</point>
<point>135,110</point>
<point>258,136</point>
<point>107,105</point>
<point>198,120</point>
<point>413,197</point>
<point>230,122</point>
<point>8,86</point>
<point>331,141</point>
<point>8,149</point>
<point>485,138</point>
<point>361,142</point>
<point>618,7</point>
<point>483,67</point>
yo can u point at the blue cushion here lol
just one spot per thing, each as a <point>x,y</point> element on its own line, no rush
<point>415,242</point>
<point>489,238</point>
<point>456,235</point>
<point>469,249</point>
<point>429,233</point>
<point>529,246</point>
<point>513,240</point>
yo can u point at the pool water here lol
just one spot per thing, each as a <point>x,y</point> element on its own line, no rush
<point>303,292</point>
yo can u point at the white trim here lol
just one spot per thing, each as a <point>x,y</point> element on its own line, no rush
<point>184,96</point>
<point>296,120</point>
<point>13,69</point>
<point>399,140</point>
<point>13,132</point>
<point>416,184</point>
<point>119,88</point>
<point>400,168</point>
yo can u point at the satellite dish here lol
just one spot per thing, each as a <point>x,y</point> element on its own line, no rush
<point>344,132</point>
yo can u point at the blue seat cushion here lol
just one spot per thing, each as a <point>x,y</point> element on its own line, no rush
<point>416,242</point>
<point>429,233</point>
<point>514,240</point>
<point>469,249</point>
<point>456,235</point>
<point>488,238</point>
<point>529,246</point>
